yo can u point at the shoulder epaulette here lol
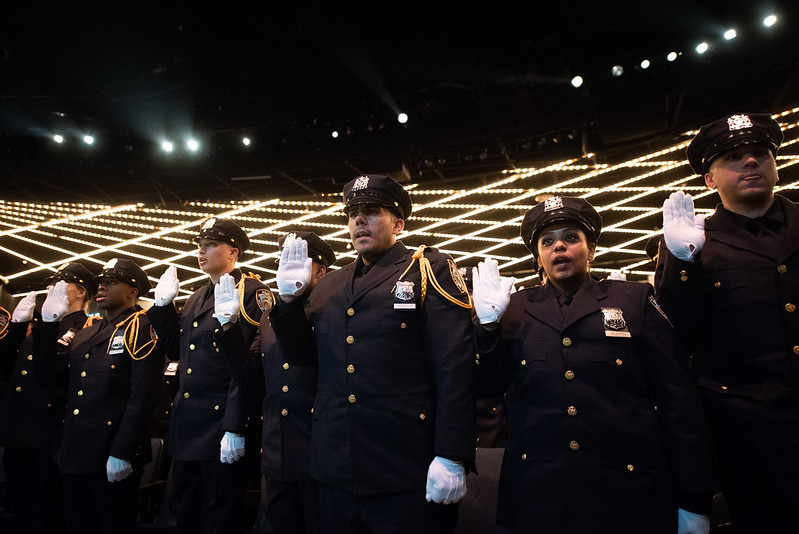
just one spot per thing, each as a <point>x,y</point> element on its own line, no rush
<point>5,319</point>
<point>426,271</point>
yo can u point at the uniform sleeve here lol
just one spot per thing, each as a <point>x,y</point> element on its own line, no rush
<point>679,411</point>
<point>165,321</point>
<point>493,372</point>
<point>293,332</point>
<point>679,293</point>
<point>49,364</point>
<point>244,362</point>
<point>145,388</point>
<point>9,346</point>
<point>447,331</point>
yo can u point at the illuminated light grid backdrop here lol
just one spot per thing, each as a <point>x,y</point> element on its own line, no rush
<point>478,220</point>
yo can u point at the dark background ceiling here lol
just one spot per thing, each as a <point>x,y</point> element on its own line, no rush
<point>486,87</point>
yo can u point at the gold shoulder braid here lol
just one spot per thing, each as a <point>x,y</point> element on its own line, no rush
<point>240,287</point>
<point>426,271</point>
<point>90,320</point>
<point>131,325</point>
<point>5,318</point>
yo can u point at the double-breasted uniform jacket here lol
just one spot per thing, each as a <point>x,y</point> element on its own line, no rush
<point>32,413</point>
<point>395,385</point>
<point>208,403</point>
<point>114,380</point>
<point>285,393</point>
<point>605,428</point>
<point>736,310</point>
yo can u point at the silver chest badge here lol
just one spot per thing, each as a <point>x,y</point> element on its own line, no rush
<point>403,295</point>
<point>614,323</point>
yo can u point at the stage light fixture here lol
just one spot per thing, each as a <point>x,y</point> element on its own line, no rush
<point>245,141</point>
<point>730,34</point>
<point>577,81</point>
<point>88,139</point>
<point>769,21</point>
<point>334,134</point>
<point>402,118</point>
<point>702,47</point>
<point>167,146</point>
<point>192,145</point>
<point>58,138</point>
<point>617,70</point>
<point>671,56</point>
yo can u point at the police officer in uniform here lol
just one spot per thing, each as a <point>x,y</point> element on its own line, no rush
<point>605,430</point>
<point>209,422</point>
<point>286,393</point>
<point>730,283</point>
<point>393,418</point>
<point>31,414</point>
<point>112,382</point>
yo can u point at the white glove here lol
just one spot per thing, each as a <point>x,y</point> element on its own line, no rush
<point>691,523</point>
<point>490,291</point>
<point>294,270</point>
<point>446,481</point>
<point>23,313</point>
<point>683,231</point>
<point>117,469</point>
<point>56,304</point>
<point>226,300</point>
<point>167,287</point>
<point>231,448</point>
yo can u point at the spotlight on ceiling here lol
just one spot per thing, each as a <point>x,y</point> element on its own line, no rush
<point>192,145</point>
<point>334,134</point>
<point>402,118</point>
<point>577,81</point>
<point>769,21</point>
<point>88,139</point>
<point>645,64</point>
<point>730,34</point>
<point>58,138</point>
<point>167,146</point>
<point>702,47</point>
<point>617,70</point>
<point>245,141</point>
<point>671,56</point>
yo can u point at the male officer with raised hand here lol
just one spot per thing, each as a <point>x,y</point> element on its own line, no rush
<point>393,419</point>
<point>112,381</point>
<point>212,425</point>
<point>730,284</point>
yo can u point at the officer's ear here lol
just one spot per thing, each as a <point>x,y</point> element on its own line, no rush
<point>399,225</point>
<point>591,251</point>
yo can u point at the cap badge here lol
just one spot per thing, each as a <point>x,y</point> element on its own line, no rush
<point>362,182</point>
<point>553,203</point>
<point>111,264</point>
<point>209,223</point>
<point>739,122</point>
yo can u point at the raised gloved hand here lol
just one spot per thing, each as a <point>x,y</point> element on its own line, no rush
<point>167,287</point>
<point>23,313</point>
<point>691,523</point>
<point>683,230</point>
<point>490,291</point>
<point>117,469</point>
<point>446,481</point>
<point>56,304</point>
<point>231,448</point>
<point>294,270</point>
<point>226,300</point>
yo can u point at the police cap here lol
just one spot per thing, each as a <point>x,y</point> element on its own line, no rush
<point>557,209</point>
<point>125,270</point>
<point>381,190</point>
<point>223,231</point>
<point>318,249</point>
<point>729,132</point>
<point>75,273</point>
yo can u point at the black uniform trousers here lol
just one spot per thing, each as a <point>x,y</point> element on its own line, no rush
<point>347,513</point>
<point>293,506</point>
<point>33,483</point>
<point>94,505</point>
<point>197,484</point>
